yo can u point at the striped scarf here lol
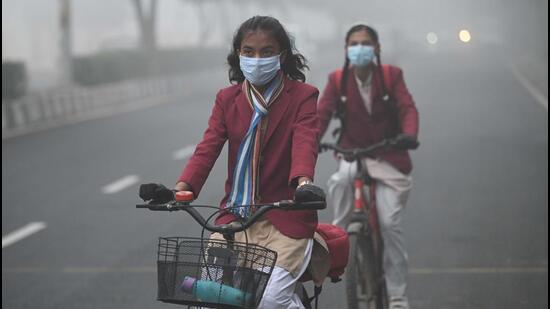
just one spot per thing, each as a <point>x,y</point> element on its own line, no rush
<point>246,174</point>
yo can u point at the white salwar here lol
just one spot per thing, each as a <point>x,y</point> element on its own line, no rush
<point>279,293</point>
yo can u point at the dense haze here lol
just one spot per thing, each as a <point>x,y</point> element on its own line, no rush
<point>89,115</point>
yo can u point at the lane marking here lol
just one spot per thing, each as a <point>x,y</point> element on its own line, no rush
<point>81,270</point>
<point>184,152</point>
<point>534,91</point>
<point>24,270</point>
<point>120,184</point>
<point>22,233</point>
<point>413,271</point>
<point>478,270</point>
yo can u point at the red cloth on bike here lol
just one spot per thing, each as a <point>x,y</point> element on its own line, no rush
<point>337,242</point>
<point>364,129</point>
<point>289,150</point>
<point>338,246</point>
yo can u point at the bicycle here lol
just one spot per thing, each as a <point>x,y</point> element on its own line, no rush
<point>204,272</point>
<point>365,281</point>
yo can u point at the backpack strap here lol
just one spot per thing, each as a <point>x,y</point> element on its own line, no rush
<point>389,99</point>
<point>338,79</point>
<point>340,112</point>
<point>386,85</point>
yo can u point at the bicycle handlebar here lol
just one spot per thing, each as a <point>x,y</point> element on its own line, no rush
<point>356,153</point>
<point>235,226</point>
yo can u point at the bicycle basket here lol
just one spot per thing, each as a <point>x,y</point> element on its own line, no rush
<point>212,273</point>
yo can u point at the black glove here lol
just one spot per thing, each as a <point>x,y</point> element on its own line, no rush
<point>406,142</point>
<point>156,193</point>
<point>309,193</point>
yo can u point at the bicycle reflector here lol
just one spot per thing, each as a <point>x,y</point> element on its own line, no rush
<point>184,196</point>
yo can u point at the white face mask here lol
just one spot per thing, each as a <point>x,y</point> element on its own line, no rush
<point>259,71</point>
<point>360,55</point>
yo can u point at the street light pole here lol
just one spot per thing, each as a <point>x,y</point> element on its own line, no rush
<point>65,42</point>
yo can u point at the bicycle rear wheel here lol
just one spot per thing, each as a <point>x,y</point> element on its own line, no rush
<point>362,277</point>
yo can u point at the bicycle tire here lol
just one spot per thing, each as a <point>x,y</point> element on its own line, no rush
<point>361,279</point>
<point>382,300</point>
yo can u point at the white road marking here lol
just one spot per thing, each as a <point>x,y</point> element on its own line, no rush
<point>83,270</point>
<point>120,184</point>
<point>22,233</point>
<point>478,270</point>
<point>184,152</point>
<point>412,271</point>
<point>535,93</point>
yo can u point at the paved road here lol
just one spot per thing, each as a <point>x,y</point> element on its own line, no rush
<point>477,222</point>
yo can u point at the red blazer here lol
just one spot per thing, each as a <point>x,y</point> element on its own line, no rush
<point>364,129</point>
<point>289,150</point>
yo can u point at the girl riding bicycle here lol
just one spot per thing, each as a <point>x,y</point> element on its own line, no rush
<point>373,103</point>
<point>269,118</point>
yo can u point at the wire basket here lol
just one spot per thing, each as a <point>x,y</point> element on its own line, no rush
<point>212,273</point>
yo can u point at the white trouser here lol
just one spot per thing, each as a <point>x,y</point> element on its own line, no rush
<point>392,191</point>
<point>279,293</point>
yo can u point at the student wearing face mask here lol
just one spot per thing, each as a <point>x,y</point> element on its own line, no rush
<point>269,118</point>
<point>373,103</point>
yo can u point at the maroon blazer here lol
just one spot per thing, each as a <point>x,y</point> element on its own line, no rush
<point>364,129</point>
<point>289,150</point>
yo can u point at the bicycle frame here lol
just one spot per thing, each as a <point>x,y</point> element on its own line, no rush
<point>365,228</point>
<point>365,204</point>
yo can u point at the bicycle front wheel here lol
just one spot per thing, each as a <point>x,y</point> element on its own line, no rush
<point>362,275</point>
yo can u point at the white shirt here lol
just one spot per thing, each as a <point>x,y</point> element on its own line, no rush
<point>365,89</point>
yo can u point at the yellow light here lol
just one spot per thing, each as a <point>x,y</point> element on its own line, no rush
<point>465,36</point>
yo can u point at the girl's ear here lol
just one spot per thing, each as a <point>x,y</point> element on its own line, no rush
<point>377,49</point>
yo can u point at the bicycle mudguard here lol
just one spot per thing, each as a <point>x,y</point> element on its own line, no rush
<point>355,227</point>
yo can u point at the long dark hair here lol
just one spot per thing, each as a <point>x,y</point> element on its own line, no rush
<point>293,64</point>
<point>374,35</point>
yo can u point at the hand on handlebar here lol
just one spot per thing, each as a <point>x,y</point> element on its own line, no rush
<point>155,193</point>
<point>309,193</point>
<point>405,142</point>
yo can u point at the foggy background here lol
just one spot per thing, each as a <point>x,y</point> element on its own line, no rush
<point>98,97</point>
